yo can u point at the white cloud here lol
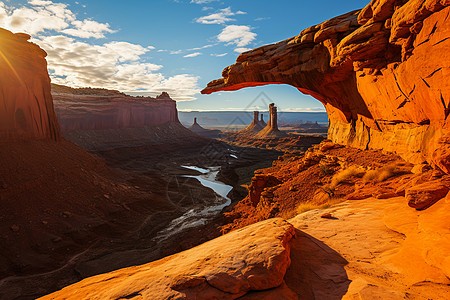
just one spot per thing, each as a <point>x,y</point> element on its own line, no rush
<point>175,51</point>
<point>240,50</point>
<point>193,54</point>
<point>71,61</point>
<point>207,8</point>
<point>262,19</point>
<point>37,17</point>
<point>88,28</point>
<point>40,16</point>
<point>219,55</point>
<point>114,65</point>
<point>203,1</point>
<point>199,48</point>
<point>240,35</point>
<point>220,17</point>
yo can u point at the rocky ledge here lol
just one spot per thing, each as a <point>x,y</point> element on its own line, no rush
<point>252,259</point>
<point>381,73</point>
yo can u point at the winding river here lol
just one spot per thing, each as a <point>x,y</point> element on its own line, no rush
<point>198,216</point>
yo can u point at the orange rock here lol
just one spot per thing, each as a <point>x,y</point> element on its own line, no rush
<point>251,259</point>
<point>271,130</point>
<point>381,74</point>
<point>426,194</point>
<point>26,105</point>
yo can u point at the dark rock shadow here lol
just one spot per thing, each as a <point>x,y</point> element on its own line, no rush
<point>316,270</point>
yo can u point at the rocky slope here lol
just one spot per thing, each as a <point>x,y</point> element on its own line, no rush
<point>381,73</point>
<point>208,133</point>
<point>27,106</point>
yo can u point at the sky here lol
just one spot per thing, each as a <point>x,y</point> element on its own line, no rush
<point>144,47</point>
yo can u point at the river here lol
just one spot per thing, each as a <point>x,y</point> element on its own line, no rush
<point>198,216</point>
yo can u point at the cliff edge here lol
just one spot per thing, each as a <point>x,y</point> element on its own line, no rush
<point>27,105</point>
<point>381,73</point>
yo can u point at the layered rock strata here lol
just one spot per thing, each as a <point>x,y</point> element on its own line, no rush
<point>95,109</point>
<point>27,105</point>
<point>381,73</point>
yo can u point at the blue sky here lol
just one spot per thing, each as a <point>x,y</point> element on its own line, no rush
<point>145,47</point>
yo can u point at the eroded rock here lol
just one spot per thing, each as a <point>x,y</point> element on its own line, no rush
<point>26,109</point>
<point>426,194</point>
<point>381,74</point>
<point>254,258</point>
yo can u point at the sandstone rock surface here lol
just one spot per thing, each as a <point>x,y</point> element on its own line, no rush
<point>26,109</point>
<point>424,195</point>
<point>251,259</point>
<point>373,249</point>
<point>381,73</point>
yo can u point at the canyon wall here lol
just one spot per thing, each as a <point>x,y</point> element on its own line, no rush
<point>93,109</point>
<point>26,109</point>
<point>381,73</point>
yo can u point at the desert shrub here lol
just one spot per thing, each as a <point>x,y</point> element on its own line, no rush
<point>307,206</point>
<point>384,173</point>
<point>353,171</point>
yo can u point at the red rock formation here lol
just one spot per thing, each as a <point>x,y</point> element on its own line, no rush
<point>382,74</point>
<point>261,121</point>
<point>208,133</point>
<point>255,126</point>
<point>100,111</point>
<point>26,109</point>
<point>271,130</point>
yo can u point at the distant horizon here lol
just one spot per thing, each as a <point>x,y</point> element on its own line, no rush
<point>250,110</point>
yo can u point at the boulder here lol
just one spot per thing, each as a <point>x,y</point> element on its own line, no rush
<point>426,194</point>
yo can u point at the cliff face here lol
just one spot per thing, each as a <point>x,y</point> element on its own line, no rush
<point>114,111</point>
<point>381,72</point>
<point>26,109</point>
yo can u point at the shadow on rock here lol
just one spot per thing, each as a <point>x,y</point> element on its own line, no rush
<point>316,270</point>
